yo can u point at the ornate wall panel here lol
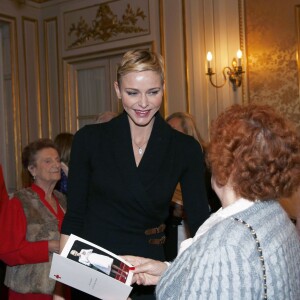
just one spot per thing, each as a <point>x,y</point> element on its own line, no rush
<point>105,22</point>
<point>272,48</point>
<point>173,52</point>
<point>9,104</point>
<point>52,77</point>
<point>32,78</point>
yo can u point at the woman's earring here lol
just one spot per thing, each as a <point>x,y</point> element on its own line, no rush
<point>33,177</point>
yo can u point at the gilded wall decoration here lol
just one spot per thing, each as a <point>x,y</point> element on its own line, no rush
<point>274,81</point>
<point>106,22</point>
<point>272,48</point>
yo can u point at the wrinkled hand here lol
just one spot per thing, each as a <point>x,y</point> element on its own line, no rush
<point>59,291</point>
<point>58,297</point>
<point>53,246</point>
<point>147,271</point>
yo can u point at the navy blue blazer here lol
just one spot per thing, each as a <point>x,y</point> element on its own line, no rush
<point>111,201</point>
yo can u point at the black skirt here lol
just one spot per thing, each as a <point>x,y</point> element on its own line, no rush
<point>138,293</point>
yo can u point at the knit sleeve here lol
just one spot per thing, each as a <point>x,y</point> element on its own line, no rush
<point>14,248</point>
<point>221,273</point>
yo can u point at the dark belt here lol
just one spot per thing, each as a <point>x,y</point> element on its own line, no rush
<point>159,229</point>
<point>159,241</point>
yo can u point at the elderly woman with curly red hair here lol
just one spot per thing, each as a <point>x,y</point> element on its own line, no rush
<point>249,249</point>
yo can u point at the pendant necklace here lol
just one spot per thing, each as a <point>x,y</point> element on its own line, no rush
<point>140,148</point>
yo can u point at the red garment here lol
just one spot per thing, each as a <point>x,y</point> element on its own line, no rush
<point>14,248</point>
<point>3,198</point>
<point>17,296</point>
<point>3,191</point>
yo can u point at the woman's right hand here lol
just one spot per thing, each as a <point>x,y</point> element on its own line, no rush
<point>146,271</point>
<point>59,291</point>
<point>57,297</point>
<point>53,246</point>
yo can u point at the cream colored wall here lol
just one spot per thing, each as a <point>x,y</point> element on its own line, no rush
<point>272,47</point>
<point>27,108</point>
<point>201,26</point>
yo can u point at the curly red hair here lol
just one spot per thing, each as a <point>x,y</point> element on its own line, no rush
<point>256,151</point>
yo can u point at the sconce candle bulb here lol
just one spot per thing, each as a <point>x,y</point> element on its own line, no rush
<point>239,55</point>
<point>209,58</point>
<point>234,73</point>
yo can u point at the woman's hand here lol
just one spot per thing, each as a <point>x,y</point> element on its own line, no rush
<point>58,297</point>
<point>59,291</point>
<point>147,271</point>
<point>53,246</point>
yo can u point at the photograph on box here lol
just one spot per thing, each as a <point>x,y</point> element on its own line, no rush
<point>103,274</point>
<point>98,260</point>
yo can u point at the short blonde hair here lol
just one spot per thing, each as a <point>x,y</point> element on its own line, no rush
<point>138,61</point>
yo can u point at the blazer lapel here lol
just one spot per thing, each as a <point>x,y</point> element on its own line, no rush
<point>138,179</point>
<point>121,146</point>
<point>156,151</point>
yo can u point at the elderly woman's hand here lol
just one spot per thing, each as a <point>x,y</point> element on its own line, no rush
<point>147,271</point>
<point>53,246</point>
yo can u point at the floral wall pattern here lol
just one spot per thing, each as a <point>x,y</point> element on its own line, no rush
<point>272,51</point>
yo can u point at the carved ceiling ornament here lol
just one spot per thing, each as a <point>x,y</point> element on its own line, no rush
<point>106,25</point>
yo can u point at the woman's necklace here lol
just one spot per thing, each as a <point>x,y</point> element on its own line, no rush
<point>140,148</point>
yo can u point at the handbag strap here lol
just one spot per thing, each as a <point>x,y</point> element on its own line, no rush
<point>261,257</point>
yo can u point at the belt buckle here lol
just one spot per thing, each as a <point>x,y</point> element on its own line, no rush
<point>155,230</point>
<point>160,241</point>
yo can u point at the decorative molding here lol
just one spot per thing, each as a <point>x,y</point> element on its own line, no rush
<point>272,47</point>
<point>185,50</point>
<point>53,87</point>
<point>31,52</point>
<point>12,164</point>
<point>297,9</point>
<point>241,8</point>
<point>113,21</point>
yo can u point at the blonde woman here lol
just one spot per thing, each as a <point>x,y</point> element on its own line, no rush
<point>123,173</point>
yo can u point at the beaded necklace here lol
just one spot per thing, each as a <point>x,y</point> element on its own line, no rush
<point>261,257</point>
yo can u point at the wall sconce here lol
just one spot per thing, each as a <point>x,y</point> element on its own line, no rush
<point>234,73</point>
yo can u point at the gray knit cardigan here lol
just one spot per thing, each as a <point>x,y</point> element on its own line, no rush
<point>224,263</point>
